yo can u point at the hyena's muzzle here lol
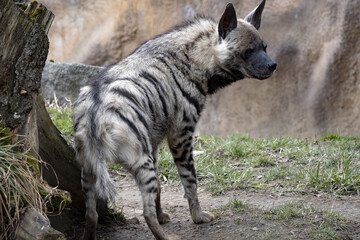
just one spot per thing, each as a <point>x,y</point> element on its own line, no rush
<point>259,65</point>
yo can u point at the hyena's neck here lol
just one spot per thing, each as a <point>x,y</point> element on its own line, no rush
<point>200,41</point>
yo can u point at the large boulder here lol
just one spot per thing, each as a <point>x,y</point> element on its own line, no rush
<point>61,82</point>
<point>316,44</point>
<point>34,226</point>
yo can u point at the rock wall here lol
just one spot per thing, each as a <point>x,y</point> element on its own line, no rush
<point>316,44</point>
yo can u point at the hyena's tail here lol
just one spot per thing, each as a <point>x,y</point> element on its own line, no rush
<point>95,179</point>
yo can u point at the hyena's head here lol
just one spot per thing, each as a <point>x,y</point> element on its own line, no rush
<point>247,55</point>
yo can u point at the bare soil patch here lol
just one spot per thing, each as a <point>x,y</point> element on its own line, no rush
<point>248,224</point>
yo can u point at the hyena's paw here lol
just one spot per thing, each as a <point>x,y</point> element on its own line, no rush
<point>163,218</point>
<point>203,217</point>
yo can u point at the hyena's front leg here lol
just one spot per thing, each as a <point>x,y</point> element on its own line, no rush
<point>162,217</point>
<point>181,149</point>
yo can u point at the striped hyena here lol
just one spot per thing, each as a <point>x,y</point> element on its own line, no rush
<point>158,92</point>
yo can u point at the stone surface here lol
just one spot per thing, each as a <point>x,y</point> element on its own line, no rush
<point>34,226</point>
<point>315,90</point>
<point>63,80</point>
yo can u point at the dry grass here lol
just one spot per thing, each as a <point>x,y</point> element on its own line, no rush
<point>21,186</point>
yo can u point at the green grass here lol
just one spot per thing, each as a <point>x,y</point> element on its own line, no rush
<point>329,164</point>
<point>324,224</point>
<point>62,118</point>
<point>288,211</point>
<point>293,220</point>
<point>236,206</point>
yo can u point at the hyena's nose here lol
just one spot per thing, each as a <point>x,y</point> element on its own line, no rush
<point>272,66</point>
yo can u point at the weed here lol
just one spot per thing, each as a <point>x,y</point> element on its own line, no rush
<point>263,162</point>
<point>237,206</point>
<point>115,167</point>
<point>117,214</point>
<point>330,137</point>
<point>287,211</point>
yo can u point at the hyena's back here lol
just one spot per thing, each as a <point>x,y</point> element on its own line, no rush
<point>114,122</point>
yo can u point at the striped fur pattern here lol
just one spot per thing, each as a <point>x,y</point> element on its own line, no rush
<point>157,93</point>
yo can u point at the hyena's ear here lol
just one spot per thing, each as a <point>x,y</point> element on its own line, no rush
<point>255,16</point>
<point>228,21</point>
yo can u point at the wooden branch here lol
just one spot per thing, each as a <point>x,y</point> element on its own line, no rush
<point>55,151</point>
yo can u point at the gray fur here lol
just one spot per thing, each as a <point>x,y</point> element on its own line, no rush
<point>157,93</point>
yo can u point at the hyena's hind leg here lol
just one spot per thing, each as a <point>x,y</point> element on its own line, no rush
<point>181,149</point>
<point>147,180</point>
<point>161,216</point>
<point>88,182</point>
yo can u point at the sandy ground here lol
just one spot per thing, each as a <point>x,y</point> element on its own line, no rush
<point>248,224</point>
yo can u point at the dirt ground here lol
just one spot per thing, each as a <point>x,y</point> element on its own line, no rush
<point>249,224</point>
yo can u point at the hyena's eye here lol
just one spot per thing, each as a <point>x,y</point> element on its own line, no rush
<point>265,46</point>
<point>248,52</point>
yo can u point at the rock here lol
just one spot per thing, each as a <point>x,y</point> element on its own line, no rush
<point>34,226</point>
<point>64,80</point>
<point>316,44</point>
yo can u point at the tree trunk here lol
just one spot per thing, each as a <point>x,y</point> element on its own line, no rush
<point>23,51</point>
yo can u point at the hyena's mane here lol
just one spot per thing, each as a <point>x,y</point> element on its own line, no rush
<point>175,29</point>
<point>188,22</point>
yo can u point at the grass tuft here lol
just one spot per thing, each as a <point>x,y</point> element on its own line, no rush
<point>341,179</point>
<point>330,137</point>
<point>288,211</point>
<point>62,116</point>
<point>21,186</point>
<point>237,206</point>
